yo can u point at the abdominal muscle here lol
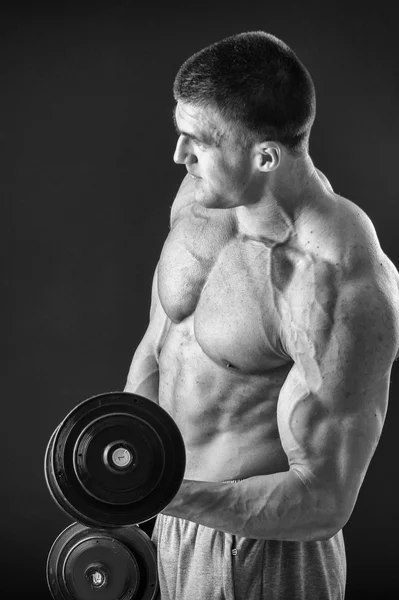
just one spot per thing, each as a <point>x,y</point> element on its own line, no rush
<point>228,419</point>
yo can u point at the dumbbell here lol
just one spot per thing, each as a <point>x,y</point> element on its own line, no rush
<point>115,461</point>
<point>89,563</point>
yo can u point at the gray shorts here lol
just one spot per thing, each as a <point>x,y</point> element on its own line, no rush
<point>199,563</point>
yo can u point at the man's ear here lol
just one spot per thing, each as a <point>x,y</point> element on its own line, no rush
<point>268,156</point>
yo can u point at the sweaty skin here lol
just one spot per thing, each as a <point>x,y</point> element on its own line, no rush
<point>249,350</point>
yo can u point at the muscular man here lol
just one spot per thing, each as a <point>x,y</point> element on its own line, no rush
<point>273,328</point>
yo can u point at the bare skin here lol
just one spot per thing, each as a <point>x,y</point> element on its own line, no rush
<point>274,324</point>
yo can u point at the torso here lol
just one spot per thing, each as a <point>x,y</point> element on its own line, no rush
<point>223,362</point>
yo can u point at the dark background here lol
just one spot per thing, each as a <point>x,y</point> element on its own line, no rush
<point>86,185</point>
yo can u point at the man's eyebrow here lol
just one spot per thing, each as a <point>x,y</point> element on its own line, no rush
<point>211,141</point>
<point>179,131</point>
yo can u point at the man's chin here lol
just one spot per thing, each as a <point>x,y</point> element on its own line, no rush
<point>208,202</point>
<point>206,198</point>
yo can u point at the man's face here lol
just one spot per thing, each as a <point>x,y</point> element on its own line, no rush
<point>223,172</point>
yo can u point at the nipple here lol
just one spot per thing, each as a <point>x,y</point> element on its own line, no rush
<point>229,365</point>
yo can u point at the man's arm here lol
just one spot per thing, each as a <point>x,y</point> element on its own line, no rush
<point>143,377</point>
<point>184,197</point>
<point>331,411</point>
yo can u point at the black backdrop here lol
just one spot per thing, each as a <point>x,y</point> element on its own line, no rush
<point>86,185</point>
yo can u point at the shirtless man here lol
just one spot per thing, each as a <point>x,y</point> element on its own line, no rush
<point>273,328</point>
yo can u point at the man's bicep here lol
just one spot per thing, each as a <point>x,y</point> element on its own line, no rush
<point>333,403</point>
<point>328,445</point>
<point>143,376</point>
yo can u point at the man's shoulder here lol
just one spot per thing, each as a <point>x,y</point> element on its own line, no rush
<point>339,253</point>
<point>343,281</point>
<point>370,282</point>
<point>183,199</point>
<point>357,249</point>
<point>344,236</point>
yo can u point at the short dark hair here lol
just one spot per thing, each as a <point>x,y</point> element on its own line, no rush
<point>255,81</point>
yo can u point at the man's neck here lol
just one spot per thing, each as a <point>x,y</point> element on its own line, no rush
<point>286,197</point>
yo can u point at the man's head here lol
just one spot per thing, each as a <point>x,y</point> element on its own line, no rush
<point>250,97</point>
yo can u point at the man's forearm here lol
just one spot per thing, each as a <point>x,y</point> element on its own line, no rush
<point>272,507</point>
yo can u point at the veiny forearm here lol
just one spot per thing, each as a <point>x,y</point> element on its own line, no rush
<point>272,507</point>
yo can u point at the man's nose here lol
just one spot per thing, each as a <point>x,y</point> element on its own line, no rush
<point>182,154</point>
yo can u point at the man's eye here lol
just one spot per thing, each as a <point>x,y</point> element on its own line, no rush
<point>193,140</point>
<point>198,143</point>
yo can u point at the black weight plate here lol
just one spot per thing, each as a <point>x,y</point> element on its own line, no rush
<point>115,459</point>
<point>48,466</point>
<point>102,564</point>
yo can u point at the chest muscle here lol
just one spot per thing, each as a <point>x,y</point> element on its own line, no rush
<point>209,274</point>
